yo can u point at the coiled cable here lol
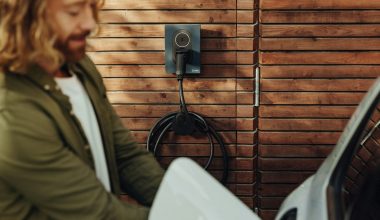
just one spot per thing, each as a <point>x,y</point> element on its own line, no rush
<point>184,122</point>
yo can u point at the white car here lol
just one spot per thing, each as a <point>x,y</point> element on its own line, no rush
<point>346,186</point>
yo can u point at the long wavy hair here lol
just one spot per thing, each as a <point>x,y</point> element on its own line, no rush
<point>26,36</point>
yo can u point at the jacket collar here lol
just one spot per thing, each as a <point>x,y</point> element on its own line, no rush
<point>46,82</point>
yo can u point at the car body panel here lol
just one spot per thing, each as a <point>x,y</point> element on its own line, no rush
<point>188,192</point>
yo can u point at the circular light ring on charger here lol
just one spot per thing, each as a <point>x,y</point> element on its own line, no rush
<point>179,34</point>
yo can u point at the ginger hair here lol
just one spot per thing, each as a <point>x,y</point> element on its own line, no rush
<point>26,36</point>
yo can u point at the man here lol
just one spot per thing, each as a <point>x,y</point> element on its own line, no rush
<point>64,153</point>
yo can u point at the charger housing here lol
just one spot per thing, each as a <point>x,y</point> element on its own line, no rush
<point>183,37</point>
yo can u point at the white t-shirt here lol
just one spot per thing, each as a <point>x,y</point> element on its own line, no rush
<point>84,111</point>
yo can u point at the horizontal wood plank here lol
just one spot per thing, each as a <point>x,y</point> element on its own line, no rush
<point>354,85</point>
<point>320,57</point>
<point>158,30</point>
<point>137,44</point>
<point>222,124</point>
<point>320,4</point>
<point>146,84</point>
<point>302,124</point>
<point>276,189</point>
<point>268,214</point>
<point>270,202</point>
<point>317,44</point>
<point>246,4</point>
<point>284,176</point>
<point>154,71</point>
<point>295,151</point>
<point>321,17</point>
<point>319,71</point>
<point>161,110</point>
<point>320,30</point>
<point>312,98</point>
<point>286,138</point>
<point>290,164</point>
<point>167,16</point>
<point>145,124</point>
<point>290,111</point>
<point>170,4</point>
<point>229,137</point>
<point>200,150</point>
<point>159,57</point>
<point>172,98</point>
<point>247,30</point>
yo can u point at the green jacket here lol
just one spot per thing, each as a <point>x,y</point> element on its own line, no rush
<point>46,169</point>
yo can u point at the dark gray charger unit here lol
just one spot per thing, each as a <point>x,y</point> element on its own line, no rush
<point>183,37</point>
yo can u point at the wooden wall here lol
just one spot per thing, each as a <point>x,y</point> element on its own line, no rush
<point>317,59</point>
<point>129,52</point>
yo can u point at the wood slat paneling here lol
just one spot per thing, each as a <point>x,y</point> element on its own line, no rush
<point>320,57</point>
<point>158,71</point>
<point>317,60</point>
<point>320,17</point>
<point>320,4</point>
<point>311,98</point>
<point>128,50</point>
<point>172,98</point>
<point>282,137</point>
<point>138,111</point>
<point>172,4</point>
<point>121,44</point>
<point>306,111</point>
<point>326,44</point>
<point>178,16</point>
<point>338,85</point>
<point>147,84</point>
<point>302,124</point>
<point>319,71</point>
<point>320,30</point>
<point>291,151</point>
<point>158,30</point>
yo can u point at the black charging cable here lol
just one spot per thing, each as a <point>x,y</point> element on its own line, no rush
<point>184,122</point>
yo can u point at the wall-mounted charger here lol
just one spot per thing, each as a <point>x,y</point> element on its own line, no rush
<point>183,38</point>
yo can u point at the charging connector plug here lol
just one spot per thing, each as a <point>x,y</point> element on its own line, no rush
<point>182,57</point>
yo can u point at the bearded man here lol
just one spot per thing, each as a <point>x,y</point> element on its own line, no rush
<point>64,153</point>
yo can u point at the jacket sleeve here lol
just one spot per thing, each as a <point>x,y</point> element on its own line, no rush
<point>140,174</point>
<point>40,174</point>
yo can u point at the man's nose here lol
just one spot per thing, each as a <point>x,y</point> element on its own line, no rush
<point>88,21</point>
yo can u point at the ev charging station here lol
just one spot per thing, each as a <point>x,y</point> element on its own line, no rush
<point>183,44</point>
<point>183,58</point>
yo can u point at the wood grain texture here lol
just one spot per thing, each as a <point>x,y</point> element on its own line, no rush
<point>320,58</point>
<point>168,16</point>
<point>311,98</point>
<point>317,60</point>
<point>146,110</point>
<point>327,85</point>
<point>320,30</point>
<point>220,98</point>
<point>298,151</point>
<point>320,44</point>
<point>320,17</point>
<point>158,71</point>
<point>320,4</point>
<point>319,71</point>
<point>302,124</point>
<point>289,138</point>
<point>173,4</point>
<point>128,50</point>
<point>305,111</point>
<point>158,30</point>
